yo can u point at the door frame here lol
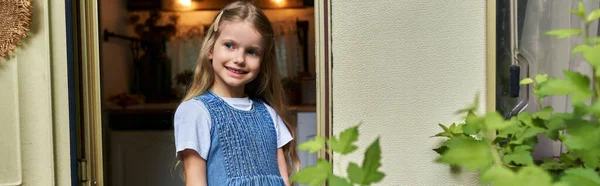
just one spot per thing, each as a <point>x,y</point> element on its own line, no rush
<point>91,168</point>
<point>91,122</point>
<point>490,98</point>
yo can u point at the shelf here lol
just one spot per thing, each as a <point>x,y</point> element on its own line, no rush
<point>302,108</point>
<point>141,108</point>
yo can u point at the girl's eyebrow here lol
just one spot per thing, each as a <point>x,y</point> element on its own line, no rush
<point>229,40</point>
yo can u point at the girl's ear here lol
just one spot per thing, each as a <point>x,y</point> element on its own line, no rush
<point>210,54</point>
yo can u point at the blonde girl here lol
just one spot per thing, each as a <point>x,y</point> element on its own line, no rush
<point>232,127</point>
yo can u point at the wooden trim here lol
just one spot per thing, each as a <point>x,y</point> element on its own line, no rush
<point>323,67</point>
<point>90,77</point>
<point>490,56</point>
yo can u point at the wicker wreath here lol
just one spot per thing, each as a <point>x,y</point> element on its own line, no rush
<point>15,18</point>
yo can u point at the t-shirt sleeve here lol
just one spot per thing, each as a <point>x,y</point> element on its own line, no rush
<point>283,134</point>
<point>192,128</point>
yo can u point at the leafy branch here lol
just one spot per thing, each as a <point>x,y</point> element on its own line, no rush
<point>365,174</point>
<point>500,149</point>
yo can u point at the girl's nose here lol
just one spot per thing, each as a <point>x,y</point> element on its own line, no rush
<point>238,58</point>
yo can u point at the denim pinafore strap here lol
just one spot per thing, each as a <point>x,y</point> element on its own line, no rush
<point>243,149</point>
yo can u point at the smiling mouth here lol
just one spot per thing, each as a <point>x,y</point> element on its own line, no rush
<point>236,70</point>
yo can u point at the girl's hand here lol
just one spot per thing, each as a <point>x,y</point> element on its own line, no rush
<point>195,168</point>
<point>283,167</point>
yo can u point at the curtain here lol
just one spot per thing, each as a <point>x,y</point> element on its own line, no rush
<point>184,48</point>
<point>546,54</point>
<point>288,48</point>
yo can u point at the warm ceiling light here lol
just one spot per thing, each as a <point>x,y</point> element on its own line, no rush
<point>185,2</point>
<point>279,1</point>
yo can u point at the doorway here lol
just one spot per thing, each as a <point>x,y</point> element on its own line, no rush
<point>128,125</point>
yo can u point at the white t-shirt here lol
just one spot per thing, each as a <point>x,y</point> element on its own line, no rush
<point>192,125</point>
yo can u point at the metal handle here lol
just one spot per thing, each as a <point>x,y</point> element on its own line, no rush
<point>518,64</point>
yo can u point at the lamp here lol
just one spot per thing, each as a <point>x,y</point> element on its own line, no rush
<point>186,3</point>
<point>179,5</point>
<point>279,3</point>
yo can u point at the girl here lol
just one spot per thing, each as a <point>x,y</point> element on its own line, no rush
<point>231,128</point>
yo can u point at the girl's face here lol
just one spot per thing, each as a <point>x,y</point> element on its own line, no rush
<point>236,55</point>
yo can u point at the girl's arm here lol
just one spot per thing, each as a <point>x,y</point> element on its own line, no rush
<point>195,168</point>
<point>283,166</point>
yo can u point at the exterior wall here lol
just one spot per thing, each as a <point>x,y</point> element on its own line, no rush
<point>402,67</point>
<point>34,126</point>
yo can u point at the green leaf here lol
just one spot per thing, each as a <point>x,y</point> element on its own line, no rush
<point>473,124</point>
<point>550,164</point>
<point>533,176</point>
<point>456,129</point>
<point>583,140</point>
<point>581,48</point>
<point>345,144</point>
<point>443,134</point>
<point>372,163</point>
<point>313,146</point>
<point>470,129</point>
<point>581,110</point>
<point>355,173</point>
<point>594,40</point>
<point>467,152</point>
<point>440,150</point>
<point>532,132</point>
<point>564,33</point>
<point>453,130</point>
<point>529,175</point>
<point>582,82</point>
<point>581,176</point>
<point>578,79</point>
<point>444,127</point>
<point>575,83</point>
<point>591,158</point>
<point>510,130</point>
<point>595,108</point>
<point>583,134</point>
<point>555,87</point>
<point>526,81</point>
<point>592,56</point>
<point>568,159</point>
<point>558,121</point>
<point>313,175</point>
<point>526,118</point>
<point>581,11</point>
<point>544,113</point>
<point>494,121</point>
<point>338,181</point>
<point>499,176</point>
<point>526,134</point>
<point>593,16</point>
<point>520,156</point>
<point>540,78</point>
<point>368,173</point>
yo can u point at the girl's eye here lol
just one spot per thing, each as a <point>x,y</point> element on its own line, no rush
<point>253,52</point>
<point>229,45</point>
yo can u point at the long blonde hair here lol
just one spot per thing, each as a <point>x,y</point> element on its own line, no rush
<point>266,86</point>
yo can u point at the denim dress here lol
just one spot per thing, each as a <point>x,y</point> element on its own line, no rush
<point>243,147</point>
